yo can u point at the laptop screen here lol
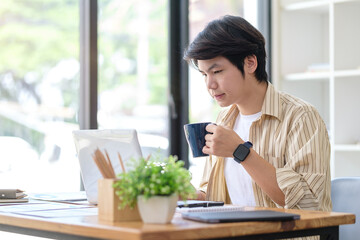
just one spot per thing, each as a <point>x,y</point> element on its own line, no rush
<point>114,141</point>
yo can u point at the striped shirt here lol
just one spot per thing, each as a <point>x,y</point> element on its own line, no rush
<point>290,135</point>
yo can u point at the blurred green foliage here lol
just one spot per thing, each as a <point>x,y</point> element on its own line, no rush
<point>35,36</point>
<point>121,27</point>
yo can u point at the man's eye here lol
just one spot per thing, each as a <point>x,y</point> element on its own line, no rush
<point>218,71</point>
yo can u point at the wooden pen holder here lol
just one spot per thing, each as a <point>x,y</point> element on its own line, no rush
<point>108,203</point>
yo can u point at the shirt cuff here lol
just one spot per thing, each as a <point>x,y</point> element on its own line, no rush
<point>290,183</point>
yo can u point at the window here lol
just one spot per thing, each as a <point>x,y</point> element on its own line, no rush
<point>39,81</point>
<point>133,63</point>
<point>39,78</point>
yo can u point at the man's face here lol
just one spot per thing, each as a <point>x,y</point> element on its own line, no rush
<point>224,81</point>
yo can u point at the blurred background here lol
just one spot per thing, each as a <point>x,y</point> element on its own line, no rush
<point>53,82</point>
<point>40,81</point>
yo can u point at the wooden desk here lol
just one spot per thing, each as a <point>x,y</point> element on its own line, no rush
<point>76,226</point>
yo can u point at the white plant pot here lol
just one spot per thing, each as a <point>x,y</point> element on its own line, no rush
<point>157,209</point>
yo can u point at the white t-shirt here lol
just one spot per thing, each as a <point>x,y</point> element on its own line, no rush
<point>238,181</point>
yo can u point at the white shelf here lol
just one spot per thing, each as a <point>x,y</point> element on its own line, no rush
<point>309,4</point>
<point>347,73</point>
<point>301,5</point>
<point>347,147</point>
<point>307,76</point>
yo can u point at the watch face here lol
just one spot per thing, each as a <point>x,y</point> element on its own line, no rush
<point>241,153</point>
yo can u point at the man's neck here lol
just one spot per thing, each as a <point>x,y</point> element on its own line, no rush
<point>255,99</point>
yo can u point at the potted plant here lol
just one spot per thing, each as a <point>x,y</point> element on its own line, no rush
<point>155,184</point>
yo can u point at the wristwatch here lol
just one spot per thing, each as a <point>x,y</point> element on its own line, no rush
<point>242,151</point>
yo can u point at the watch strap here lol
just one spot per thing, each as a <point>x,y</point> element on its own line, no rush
<point>248,144</point>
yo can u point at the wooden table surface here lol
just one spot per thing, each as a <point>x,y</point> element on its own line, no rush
<point>90,226</point>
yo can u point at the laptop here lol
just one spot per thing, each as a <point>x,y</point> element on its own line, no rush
<point>239,216</point>
<point>123,141</point>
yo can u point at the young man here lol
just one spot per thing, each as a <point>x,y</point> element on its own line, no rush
<point>268,148</point>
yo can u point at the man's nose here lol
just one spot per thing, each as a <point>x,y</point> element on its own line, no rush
<point>211,83</point>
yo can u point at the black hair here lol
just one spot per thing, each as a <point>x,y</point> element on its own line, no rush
<point>233,38</point>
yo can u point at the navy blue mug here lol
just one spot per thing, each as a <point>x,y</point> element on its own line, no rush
<point>195,136</point>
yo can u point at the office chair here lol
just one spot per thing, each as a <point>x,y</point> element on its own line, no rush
<point>345,196</point>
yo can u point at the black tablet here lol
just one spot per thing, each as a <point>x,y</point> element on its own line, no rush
<point>240,216</point>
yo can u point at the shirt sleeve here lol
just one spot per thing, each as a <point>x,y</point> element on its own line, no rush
<point>210,161</point>
<point>307,160</point>
<point>206,174</point>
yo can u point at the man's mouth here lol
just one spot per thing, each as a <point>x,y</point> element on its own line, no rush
<point>219,96</point>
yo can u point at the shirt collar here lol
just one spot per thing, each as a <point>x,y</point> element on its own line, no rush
<point>271,105</point>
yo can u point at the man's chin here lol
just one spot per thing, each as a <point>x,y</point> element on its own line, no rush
<point>222,104</point>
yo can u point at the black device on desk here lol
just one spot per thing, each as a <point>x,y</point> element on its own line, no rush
<point>240,216</point>
<point>198,203</point>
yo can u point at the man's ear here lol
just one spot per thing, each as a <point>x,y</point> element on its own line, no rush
<point>250,63</point>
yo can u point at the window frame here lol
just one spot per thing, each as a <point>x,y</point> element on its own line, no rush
<point>178,69</point>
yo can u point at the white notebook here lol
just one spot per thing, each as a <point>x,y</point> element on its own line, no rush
<point>210,209</point>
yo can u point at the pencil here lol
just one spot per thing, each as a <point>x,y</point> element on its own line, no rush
<point>101,158</point>
<point>110,164</point>
<point>99,166</point>
<point>121,163</point>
